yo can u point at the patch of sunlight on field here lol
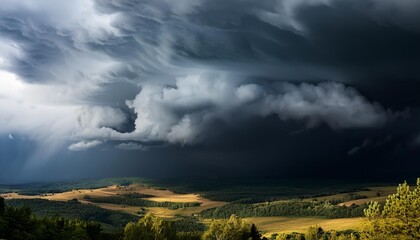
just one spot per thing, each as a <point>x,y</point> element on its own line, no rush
<point>371,196</point>
<point>115,207</point>
<point>158,196</point>
<point>270,225</point>
<point>189,211</point>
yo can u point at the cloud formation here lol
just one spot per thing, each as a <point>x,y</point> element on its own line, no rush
<point>137,72</point>
<point>183,114</point>
<point>131,146</point>
<point>43,113</point>
<point>82,146</point>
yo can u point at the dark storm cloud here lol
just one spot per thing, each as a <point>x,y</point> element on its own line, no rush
<point>184,113</point>
<point>130,74</point>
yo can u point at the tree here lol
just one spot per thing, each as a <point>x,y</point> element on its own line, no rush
<point>314,233</point>
<point>399,219</point>
<point>254,235</point>
<point>150,227</point>
<point>2,221</point>
<point>2,206</point>
<point>93,230</point>
<point>233,228</point>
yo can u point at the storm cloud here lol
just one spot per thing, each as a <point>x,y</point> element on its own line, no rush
<point>184,113</point>
<point>144,75</point>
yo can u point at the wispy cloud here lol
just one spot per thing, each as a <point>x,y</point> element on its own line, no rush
<point>82,146</point>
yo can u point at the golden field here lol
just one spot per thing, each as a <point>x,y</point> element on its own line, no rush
<point>270,225</point>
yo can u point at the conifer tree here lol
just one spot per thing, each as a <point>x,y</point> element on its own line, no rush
<point>399,219</point>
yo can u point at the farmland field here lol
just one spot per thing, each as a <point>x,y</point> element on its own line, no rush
<point>270,225</point>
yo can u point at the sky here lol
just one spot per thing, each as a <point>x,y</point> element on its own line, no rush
<point>229,88</point>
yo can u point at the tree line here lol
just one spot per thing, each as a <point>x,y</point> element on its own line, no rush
<point>18,223</point>
<point>131,201</point>
<point>285,208</point>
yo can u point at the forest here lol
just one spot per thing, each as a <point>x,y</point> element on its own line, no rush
<point>285,208</point>
<point>74,210</point>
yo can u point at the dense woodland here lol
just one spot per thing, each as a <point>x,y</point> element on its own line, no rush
<point>19,223</point>
<point>74,210</point>
<point>285,208</point>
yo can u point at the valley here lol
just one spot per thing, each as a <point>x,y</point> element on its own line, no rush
<point>137,197</point>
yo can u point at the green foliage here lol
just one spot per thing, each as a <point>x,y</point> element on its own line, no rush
<point>150,227</point>
<point>188,224</point>
<point>132,201</point>
<point>400,217</point>
<point>74,210</point>
<point>189,235</point>
<point>284,208</point>
<point>314,233</point>
<point>233,228</point>
<point>353,196</point>
<point>290,236</point>
<point>317,233</point>
<point>18,223</point>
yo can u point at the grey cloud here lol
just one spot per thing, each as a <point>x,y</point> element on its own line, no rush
<point>83,146</point>
<point>184,113</point>
<point>46,44</point>
<point>131,146</point>
<point>97,117</point>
